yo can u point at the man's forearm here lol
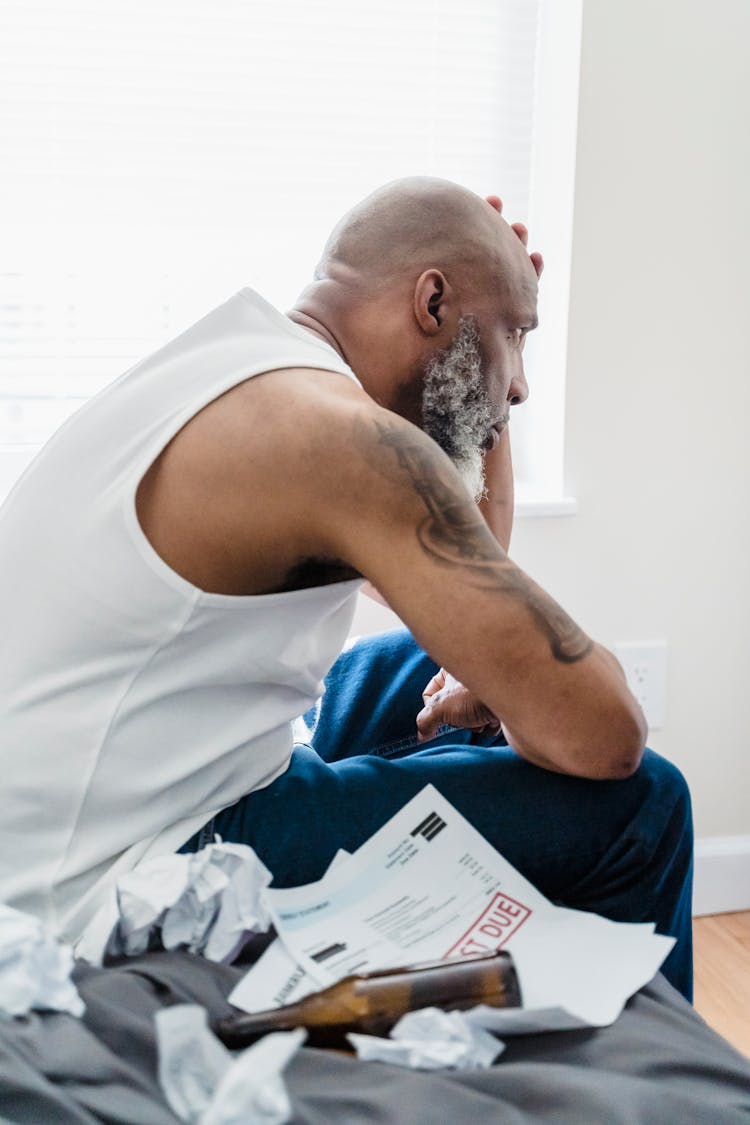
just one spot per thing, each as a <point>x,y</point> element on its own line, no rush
<point>497,506</point>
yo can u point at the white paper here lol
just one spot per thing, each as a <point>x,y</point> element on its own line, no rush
<point>242,907</point>
<point>431,1039</point>
<point>428,886</point>
<point>34,967</point>
<point>144,895</point>
<point>207,902</point>
<point>205,1084</point>
<point>277,978</point>
<point>340,857</point>
<point>192,1061</point>
<point>252,1092</point>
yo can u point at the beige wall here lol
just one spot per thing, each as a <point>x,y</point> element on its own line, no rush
<point>659,375</point>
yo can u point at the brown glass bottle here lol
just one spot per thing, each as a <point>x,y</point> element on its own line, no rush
<point>372,1003</point>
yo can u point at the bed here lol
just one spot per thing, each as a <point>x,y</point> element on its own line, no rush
<point>659,1064</point>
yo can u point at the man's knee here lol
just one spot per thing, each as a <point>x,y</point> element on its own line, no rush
<point>666,779</point>
<point>665,805</point>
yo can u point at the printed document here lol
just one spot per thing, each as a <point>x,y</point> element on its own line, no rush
<point>428,886</point>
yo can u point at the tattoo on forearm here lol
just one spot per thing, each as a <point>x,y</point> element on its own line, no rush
<point>454,533</point>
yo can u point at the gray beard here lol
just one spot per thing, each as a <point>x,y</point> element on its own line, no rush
<point>456,409</point>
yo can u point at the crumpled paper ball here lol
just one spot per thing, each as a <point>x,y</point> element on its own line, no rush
<point>34,967</point>
<point>431,1039</point>
<point>206,1085</point>
<point>207,902</point>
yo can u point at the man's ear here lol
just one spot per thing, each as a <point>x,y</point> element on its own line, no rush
<point>434,303</point>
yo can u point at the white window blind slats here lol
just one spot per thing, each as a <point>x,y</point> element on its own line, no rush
<point>157,156</point>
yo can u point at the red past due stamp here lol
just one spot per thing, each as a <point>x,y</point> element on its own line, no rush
<point>501,918</point>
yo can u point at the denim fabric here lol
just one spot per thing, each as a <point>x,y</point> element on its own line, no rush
<point>620,848</point>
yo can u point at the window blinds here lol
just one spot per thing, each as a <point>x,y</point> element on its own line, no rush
<point>158,156</point>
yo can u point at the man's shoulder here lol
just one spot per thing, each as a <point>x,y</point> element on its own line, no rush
<point>244,492</point>
<point>281,414</point>
<point>317,387</point>
<point>295,465</point>
<point>233,502</point>
<point>311,448</point>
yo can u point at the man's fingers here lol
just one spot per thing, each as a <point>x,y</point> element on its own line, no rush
<point>522,232</point>
<point>428,723</point>
<point>436,711</point>
<point>537,260</point>
<point>457,708</point>
<point>437,683</point>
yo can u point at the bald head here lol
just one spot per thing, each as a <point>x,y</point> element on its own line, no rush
<point>419,223</point>
<point>428,293</point>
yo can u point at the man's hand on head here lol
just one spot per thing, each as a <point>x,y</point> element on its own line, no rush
<point>448,702</point>
<point>536,258</point>
<point>497,503</point>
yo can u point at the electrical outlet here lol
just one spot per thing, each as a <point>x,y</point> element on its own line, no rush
<point>645,667</point>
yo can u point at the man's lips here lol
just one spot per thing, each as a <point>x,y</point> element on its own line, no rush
<point>495,430</point>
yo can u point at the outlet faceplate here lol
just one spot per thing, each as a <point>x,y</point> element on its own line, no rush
<point>645,667</point>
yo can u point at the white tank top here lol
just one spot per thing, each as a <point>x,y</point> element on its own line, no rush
<point>134,706</point>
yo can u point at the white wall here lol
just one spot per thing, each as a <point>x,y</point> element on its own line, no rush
<point>659,375</point>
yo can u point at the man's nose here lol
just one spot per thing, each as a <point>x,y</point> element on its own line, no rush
<point>518,391</point>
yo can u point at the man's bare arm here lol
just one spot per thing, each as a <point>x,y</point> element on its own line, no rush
<point>404,519</point>
<point>497,505</point>
<point>329,475</point>
<point>453,535</point>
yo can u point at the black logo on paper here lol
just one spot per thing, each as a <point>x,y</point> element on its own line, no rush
<point>429,827</point>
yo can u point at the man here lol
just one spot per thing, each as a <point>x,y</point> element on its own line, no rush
<point>179,569</point>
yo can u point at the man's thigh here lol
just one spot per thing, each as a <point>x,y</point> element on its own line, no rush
<point>559,831</point>
<point>621,848</point>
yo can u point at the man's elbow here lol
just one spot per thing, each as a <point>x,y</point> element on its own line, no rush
<point>605,743</point>
<point>621,744</point>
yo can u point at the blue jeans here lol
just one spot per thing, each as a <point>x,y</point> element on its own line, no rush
<point>620,848</point>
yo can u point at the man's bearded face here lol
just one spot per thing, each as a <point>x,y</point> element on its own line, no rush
<point>456,409</point>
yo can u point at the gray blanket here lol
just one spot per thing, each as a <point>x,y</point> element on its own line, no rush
<point>659,1064</point>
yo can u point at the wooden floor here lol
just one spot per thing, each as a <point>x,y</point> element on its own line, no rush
<point>722,975</point>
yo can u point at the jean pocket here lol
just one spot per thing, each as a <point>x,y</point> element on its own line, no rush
<point>409,743</point>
